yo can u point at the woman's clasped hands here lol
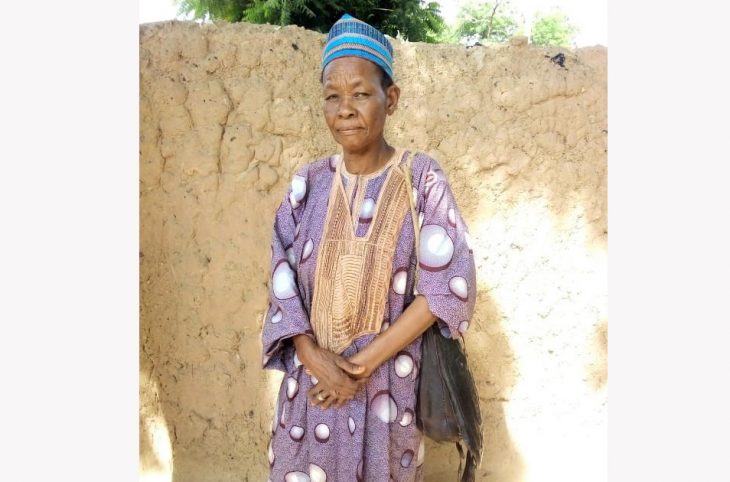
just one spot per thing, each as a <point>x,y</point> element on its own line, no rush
<point>337,379</point>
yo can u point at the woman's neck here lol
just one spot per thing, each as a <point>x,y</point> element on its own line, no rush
<point>366,162</point>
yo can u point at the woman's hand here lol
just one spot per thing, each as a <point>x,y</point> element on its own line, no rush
<point>335,375</point>
<point>360,359</point>
<point>416,319</point>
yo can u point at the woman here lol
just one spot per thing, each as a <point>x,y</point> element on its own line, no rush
<point>343,322</point>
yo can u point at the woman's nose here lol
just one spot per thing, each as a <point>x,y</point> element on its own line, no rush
<point>345,111</point>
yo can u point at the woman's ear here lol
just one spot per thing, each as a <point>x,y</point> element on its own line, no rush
<point>391,99</point>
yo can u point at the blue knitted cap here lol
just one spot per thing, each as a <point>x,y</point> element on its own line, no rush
<point>352,37</point>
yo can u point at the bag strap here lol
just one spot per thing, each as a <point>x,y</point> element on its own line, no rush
<point>408,174</point>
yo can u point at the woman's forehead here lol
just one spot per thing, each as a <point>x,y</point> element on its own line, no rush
<point>350,70</point>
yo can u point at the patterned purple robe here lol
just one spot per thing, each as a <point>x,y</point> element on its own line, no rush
<point>373,437</point>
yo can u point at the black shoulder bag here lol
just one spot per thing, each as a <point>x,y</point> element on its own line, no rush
<point>448,402</point>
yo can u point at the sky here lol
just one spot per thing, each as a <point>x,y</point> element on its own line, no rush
<point>590,16</point>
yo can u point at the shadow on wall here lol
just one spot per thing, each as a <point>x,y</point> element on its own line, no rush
<point>203,396</point>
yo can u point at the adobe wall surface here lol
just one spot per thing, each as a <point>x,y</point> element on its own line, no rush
<point>228,113</point>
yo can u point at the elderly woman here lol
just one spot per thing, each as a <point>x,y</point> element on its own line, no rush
<point>345,320</point>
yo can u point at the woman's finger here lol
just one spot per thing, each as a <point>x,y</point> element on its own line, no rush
<point>342,384</point>
<point>349,368</point>
<point>317,401</point>
<point>312,392</point>
<point>331,400</point>
<point>326,404</point>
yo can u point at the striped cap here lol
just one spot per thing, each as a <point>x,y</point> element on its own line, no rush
<point>352,37</point>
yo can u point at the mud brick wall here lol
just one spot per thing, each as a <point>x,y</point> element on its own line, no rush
<point>227,114</point>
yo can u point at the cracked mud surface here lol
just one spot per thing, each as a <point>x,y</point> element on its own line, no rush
<point>228,113</point>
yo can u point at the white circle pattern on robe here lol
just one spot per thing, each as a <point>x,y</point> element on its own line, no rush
<point>317,474</point>
<point>296,477</point>
<point>277,316</point>
<point>403,364</point>
<point>282,419</point>
<point>421,453</point>
<point>275,421</point>
<point>314,379</point>
<point>384,407</point>
<point>432,178</point>
<point>290,256</point>
<point>367,210</point>
<point>297,361</point>
<point>322,433</point>
<point>459,287</point>
<point>351,425</point>
<point>406,458</point>
<point>436,248</point>
<point>420,220</point>
<point>293,201</point>
<point>272,457</point>
<point>452,217</point>
<point>283,281</point>
<point>307,250</point>
<point>445,332</point>
<point>359,471</point>
<point>385,326</point>
<point>298,187</point>
<point>407,418</point>
<point>292,388</point>
<point>296,433</point>
<point>414,375</point>
<point>399,281</point>
<point>463,326</point>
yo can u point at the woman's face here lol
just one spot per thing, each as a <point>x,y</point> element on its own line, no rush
<point>355,105</point>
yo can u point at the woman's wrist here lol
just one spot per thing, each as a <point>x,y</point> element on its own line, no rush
<point>303,344</point>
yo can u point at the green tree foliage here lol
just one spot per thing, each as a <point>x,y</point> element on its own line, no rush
<point>487,22</point>
<point>413,20</point>
<point>228,10</point>
<point>305,13</point>
<point>553,28</point>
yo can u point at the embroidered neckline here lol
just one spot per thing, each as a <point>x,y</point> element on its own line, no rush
<point>355,210</point>
<point>397,155</point>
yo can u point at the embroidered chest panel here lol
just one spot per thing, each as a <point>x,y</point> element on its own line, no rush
<point>353,273</point>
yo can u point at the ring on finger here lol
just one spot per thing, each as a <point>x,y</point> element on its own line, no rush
<point>321,397</point>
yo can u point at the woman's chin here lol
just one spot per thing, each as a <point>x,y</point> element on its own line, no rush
<point>354,143</point>
<point>351,144</point>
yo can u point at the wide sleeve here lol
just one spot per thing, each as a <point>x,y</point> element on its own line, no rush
<point>286,315</point>
<point>447,273</point>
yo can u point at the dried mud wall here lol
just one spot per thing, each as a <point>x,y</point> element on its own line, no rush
<point>228,112</point>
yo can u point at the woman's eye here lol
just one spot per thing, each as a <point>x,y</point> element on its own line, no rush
<point>361,94</point>
<point>330,97</point>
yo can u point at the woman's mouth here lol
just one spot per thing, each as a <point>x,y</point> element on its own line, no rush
<point>349,131</point>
